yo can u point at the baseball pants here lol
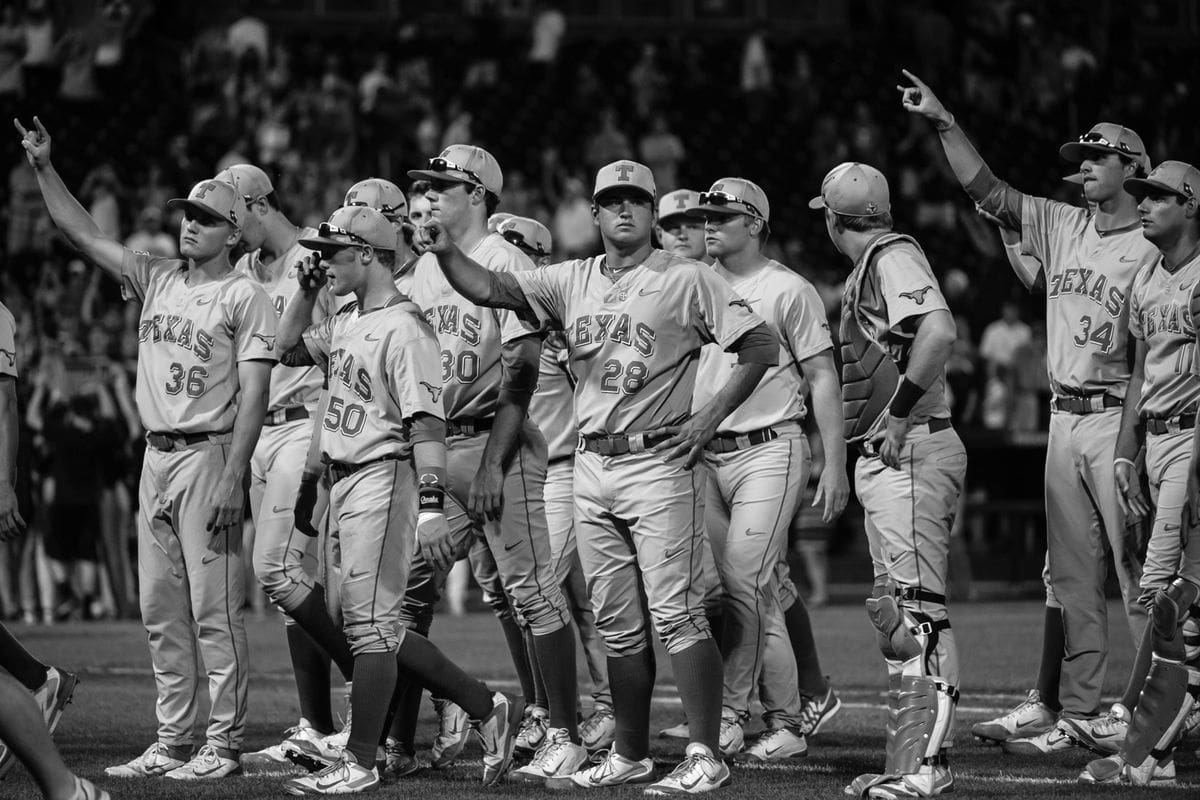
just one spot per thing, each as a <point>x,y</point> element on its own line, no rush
<point>1168,460</point>
<point>374,512</point>
<point>639,520</point>
<point>752,495</point>
<point>909,513</point>
<point>519,541</point>
<point>187,574</point>
<point>1081,514</point>
<point>285,560</point>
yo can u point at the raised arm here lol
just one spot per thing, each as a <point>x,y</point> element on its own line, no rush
<point>76,224</point>
<point>300,314</point>
<point>469,278</point>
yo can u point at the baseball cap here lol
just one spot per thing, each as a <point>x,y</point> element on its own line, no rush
<point>496,220</point>
<point>854,190</point>
<point>250,181</point>
<point>526,232</point>
<point>1176,177</point>
<point>379,194</point>
<point>350,226</point>
<point>736,196</point>
<point>465,163</point>
<point>1108,137</point>
<point>215,198</point>
<point>624,173</point>
<point>679,203</point>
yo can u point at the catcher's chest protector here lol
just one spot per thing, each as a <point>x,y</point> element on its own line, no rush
<point>869,375</point>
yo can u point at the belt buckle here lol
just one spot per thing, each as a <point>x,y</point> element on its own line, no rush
<point>868,448</point>
<point>161,442</point>
<point>925,628</point>
<point>636,442</point>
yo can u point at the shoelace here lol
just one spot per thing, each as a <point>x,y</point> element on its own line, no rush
<point>686,766</point>
<point>332,768</point>
<point>546,752</point>
<point>594,721</point>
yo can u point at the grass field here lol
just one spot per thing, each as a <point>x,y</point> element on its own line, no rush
<point>112,718</point>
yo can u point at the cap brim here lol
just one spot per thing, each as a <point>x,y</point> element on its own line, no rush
<point>1078,151</point>
<point>691,213</point>
<point>325,243</point>
<point>1140,187</point>
<point>1074,177</point>
<point>726,210</point>
<point>434,175</point>
<point>816,203</point>
<point>203,208</point>
<point>622,188</point>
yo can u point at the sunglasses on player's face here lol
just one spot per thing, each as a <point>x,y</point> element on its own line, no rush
<point>1098,138</point>
<point>440,164</point>
<point>725,199</point>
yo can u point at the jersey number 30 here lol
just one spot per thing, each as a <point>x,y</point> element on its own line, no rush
<point>191,381</point>
<point>1102,336</point>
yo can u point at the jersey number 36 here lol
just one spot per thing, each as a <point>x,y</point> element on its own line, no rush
<point>190,381</point>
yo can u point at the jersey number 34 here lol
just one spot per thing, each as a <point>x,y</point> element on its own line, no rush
<point>1102,336</point>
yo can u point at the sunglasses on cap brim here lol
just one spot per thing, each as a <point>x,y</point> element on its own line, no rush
<point>392,213</point>
<point>517,239</point>
<point>724,199</point>
<point>1092,137</point>
<point>440,164</point>
<point>326,231</point>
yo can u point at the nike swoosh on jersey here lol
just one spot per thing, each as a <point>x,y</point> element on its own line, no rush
<point>1125,260</point>
<point>371,338</point>
<point>203,301</point>
<point>511,547</point>
<point>644,292</point>
<point>209,558</point>
<point>279,510</point>
<point>756,533</point>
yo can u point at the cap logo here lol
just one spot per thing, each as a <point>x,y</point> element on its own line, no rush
<point>624,171</point>
<point>205,188</point>
<point>872,207</point>
<point>681,202</point>
<point>717,187</point>
<point>351,197</point>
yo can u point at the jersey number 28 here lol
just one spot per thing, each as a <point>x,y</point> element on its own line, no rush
<point>624,378</point>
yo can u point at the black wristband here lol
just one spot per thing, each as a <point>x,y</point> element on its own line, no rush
<point>906,397</point>
<point>431,497</point>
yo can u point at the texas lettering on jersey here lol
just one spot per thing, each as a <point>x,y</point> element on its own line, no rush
<point>180,331</point>
<point>616,328</point>
<point>357,379</point>
<point>450,320</point>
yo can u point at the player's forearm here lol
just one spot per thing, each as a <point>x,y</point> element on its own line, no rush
<point>931,348</point>
<point>826,393</point>
<point>312,457</point>
<point>295,320</point>
<point>1130,434</point>
<point>965,161</point>
<point>76,223</point>
<point>742,380</point>
<point>429,458</point>
<point>505,436</point>
<point>9,431</point>
<point>479,284</point>
<point>248,422</point>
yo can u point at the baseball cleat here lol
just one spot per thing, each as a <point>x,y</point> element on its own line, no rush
<point>398,762</point>
<point>206,765</point>
<point>153,763</point>
<point>732,737</point>
<point>777,744</point>
<point>534,725</point>
<point>680,731</point>
<point>1151,772</point>
<point>453,728</point>
<point>498,735</point>
<point>557,757</point>
<point>816,712</point>
<point>928,782</point>
<point>599,731</point>
<point>54,694</point>
<point>272,758</point>
<point>316,754</point>
<point>86,790</point>
<point>1103,735</point>
<point>1055,740</point>
<point>1031,718</point>
<point>614,770</point>
<point>344,776</point>
<point>700,771</point>
<point>7,759</point>
<point>1103,770</point>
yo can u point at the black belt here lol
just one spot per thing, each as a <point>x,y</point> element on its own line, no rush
<point>728,442</point>
<point>1087,404</point>
<point>339,470</point>
<point>621,444</point>
<point>934,424</point>
<point>168,442</point>
<point>1161,425</point>
<point>284,415</point>
<point>468,427</point>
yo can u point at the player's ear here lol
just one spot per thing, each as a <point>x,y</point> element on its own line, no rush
<point>366,254</point>
<point>235,236</point>
<point>595,215</point>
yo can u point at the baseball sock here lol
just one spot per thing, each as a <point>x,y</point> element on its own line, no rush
<point>810,678</point>
<point>632,682</point>
<point>1054,650</point>
<point>539,680</point>
<point>311,666</point>
<point>408,713</point>
<point>699,674</point>
<point>555,665</point>
<point>313,617</point>
<point>421,659</point>
<point>20,663</point>
<point>374,678</point>
<point>389,721</point>
<point>1141,668</point>
<point>514,637</point>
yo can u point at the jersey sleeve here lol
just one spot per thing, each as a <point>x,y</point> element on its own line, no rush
<point>8,344</point>
<point>805,328</point>
<point>138,271</point>
<point>545,291</point>
<point>416,375</point>
<point>254,326</point>
<point>719,314</point>
<point>1040,217</point>
<point>317,338</point>
<point>907,287</point>
<point>509,259</point>
<point>1135,302</point>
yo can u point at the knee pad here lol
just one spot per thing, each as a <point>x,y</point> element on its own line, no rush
<point>1169,613</point>
<point>1162,707</point>
<point>920,715</point>
<point>906,637</point>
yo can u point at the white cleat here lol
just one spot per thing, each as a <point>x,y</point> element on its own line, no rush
<point>534,725</point>
<point>54,694</point>
<point>206,765</point>
<point>1031,718</point>
<point>778,744</point>
<point>700,771</point>
<point>1109,769</point>
<point>153,763</point>
<point>732,737</point>
<point>315,755</point>
<point>557,757</point>
<point>1055,740</point>
<point>1151,772</point>
<point>453,728</point>
<point>599,731</point>
<point>815,712</point>
<point>614,770</point>
<point>271,759</point>
<point>344,776</point>
<point>498,735</point>
<point>86,790</point>
<point>680,731</point>
<point>1103,735</point>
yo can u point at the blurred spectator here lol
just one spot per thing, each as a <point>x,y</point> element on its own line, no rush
<point>12,47</point>
<point>101,192</point>
<point>575,234</point>
<point>28,221</point>
<point>458,128</point>
<point>1001,340</point>
<point>38,63</point>
<point>756,73</point>
<point>249,41</point>
<point>962,375</point>
<point>661,150</point>
<point>149,237</point>
<point>607,144</point>
<point>646,83</point>
<point>549,28</point>
<point>76,51</point>
<point>1029,383</point>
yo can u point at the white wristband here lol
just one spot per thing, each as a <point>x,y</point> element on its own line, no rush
<point>1132,466</point>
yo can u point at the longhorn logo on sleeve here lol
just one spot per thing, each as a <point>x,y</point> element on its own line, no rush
<point>434,391</point>
<point>917,295</point>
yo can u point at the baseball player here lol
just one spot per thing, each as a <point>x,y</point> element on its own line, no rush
<point>206,347</point>
<point>759,461</point>
<point>896,334</point>
<point>383,442</point>
<point>1164,391</point>
<point>496,457</point>
<point>635,319</point>
<point>386,197</point>
<point>285,559</point>
<point>680,228</point>
<point>1088,261</point>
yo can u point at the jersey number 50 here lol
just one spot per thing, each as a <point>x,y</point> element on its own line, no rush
<point>345,419</point>
<point>189,381</point>
<point>624,378</point>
